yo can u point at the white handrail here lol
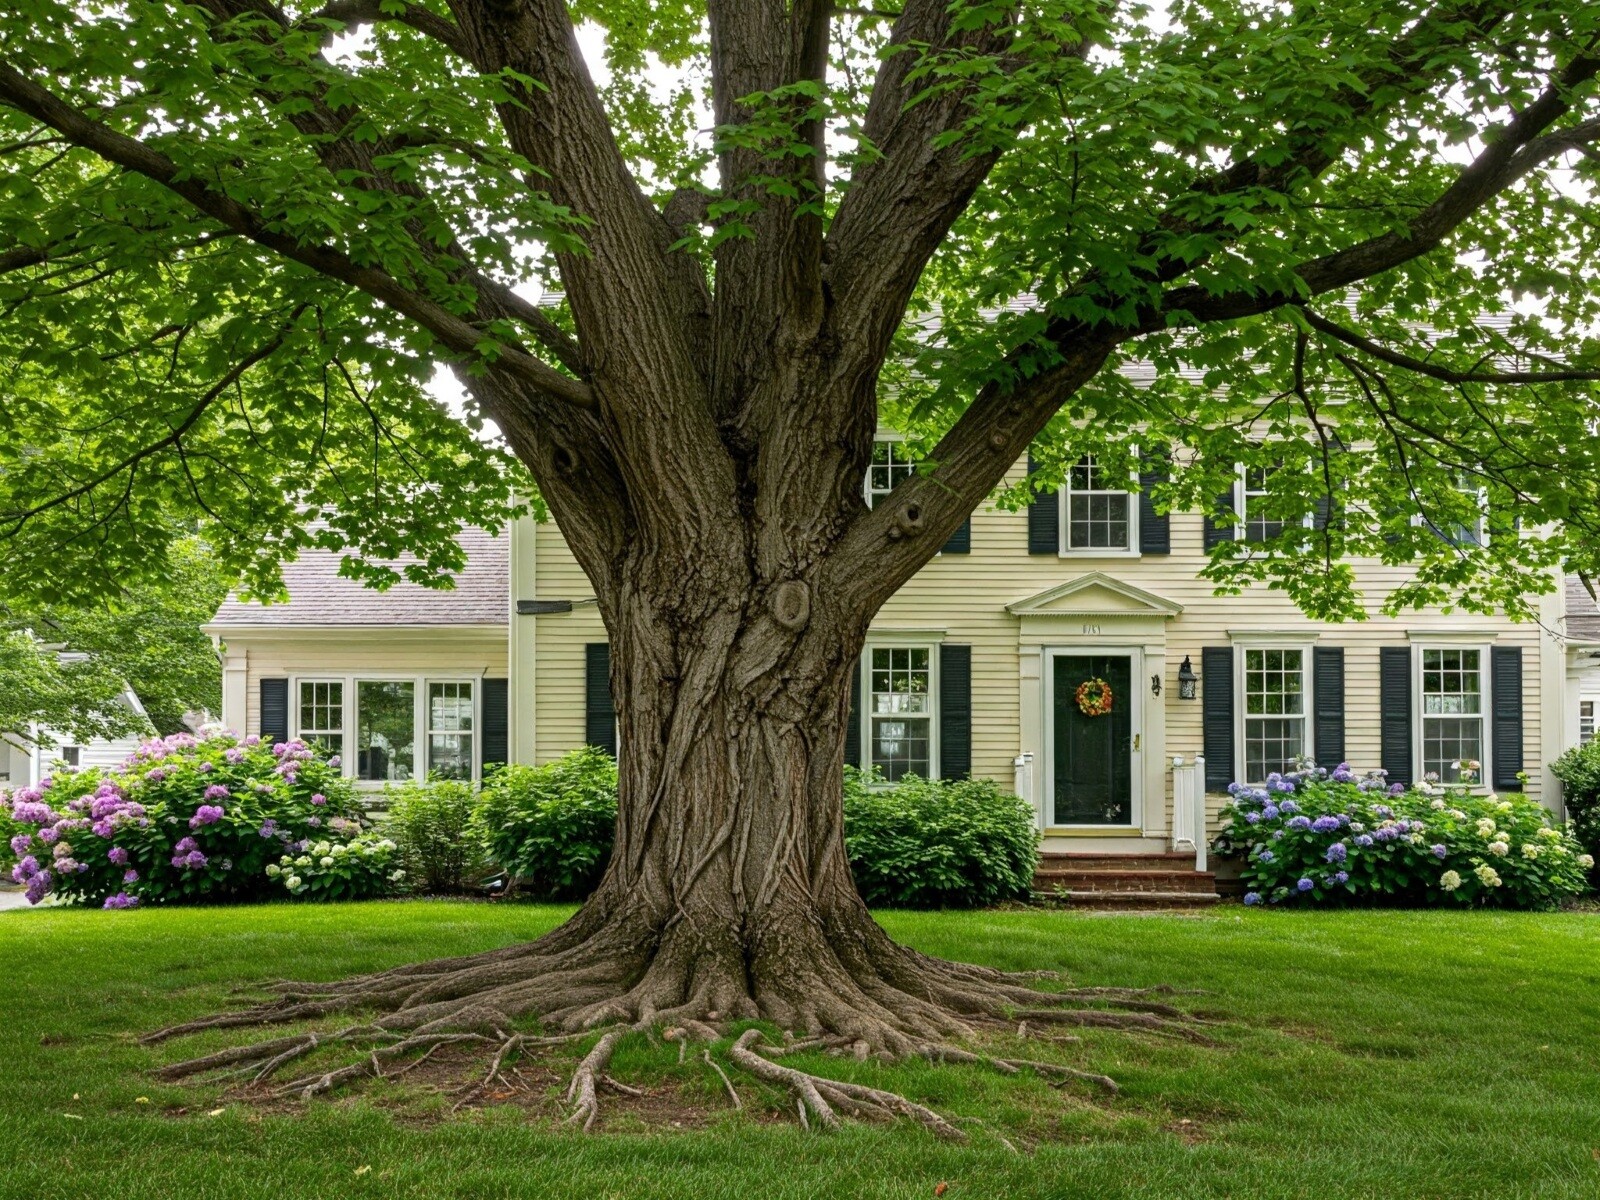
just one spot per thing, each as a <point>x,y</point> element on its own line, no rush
<point>1189,808</point>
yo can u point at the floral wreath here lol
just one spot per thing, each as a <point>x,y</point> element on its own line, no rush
<point>1094,697</point>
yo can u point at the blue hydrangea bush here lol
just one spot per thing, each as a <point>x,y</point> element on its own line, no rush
<point>1329,837</point>
<point>213,818</point>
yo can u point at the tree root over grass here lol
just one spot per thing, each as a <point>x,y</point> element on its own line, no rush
<point>428,1011</point>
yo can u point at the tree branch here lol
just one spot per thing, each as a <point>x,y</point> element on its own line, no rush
<point>364,12</point>
<point>458,335</point>
<point>1433,370</point>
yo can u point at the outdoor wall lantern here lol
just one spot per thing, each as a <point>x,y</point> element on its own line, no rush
<point>1186,680</point>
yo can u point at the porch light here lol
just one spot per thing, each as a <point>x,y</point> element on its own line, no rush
<point>1186,680</point>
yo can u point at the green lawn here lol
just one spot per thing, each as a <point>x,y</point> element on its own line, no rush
<point>1367,1054</point>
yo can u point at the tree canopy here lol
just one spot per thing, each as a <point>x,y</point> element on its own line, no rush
<point>1350,242</point>
<point>67,666</point>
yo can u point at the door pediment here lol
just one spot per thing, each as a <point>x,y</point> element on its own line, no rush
<point>1095,594</point>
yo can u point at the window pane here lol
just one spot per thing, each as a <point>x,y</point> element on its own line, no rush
<point>1274,706</point>
<point>1450,742</point>
<point>450,755</point>
<point>322,714</point>
<point>1097,514</point>
<point>891,463</point>
<point>386,729</point>
<point>1452,682</point>
<point>1272,745</point>
<point>901,706</point>
<point>1586,720</point>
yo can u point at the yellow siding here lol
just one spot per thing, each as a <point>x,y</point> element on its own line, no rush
<point>966,597</point>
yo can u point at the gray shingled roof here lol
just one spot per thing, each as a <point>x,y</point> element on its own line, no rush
<point>318,595</point>
<point>1583,616</point>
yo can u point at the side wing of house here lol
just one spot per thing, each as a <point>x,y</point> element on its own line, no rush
<point>1581,631</point>
<point>399,684</point>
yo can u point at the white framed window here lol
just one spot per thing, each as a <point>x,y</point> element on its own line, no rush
<point>72,755</point>
<point>1098,511</point>
<point>1274,709</point>
<point>450,729</point>
<point>386,730</point>
<point>322,714</point>
<point>1451,712</point>
<point>1586,721</point>
<point>900,686</point>
<point>891,463</point>
<point>1474,532</point>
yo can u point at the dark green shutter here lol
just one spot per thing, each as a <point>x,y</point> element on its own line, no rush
<point>274,710</point>
<point>961,540</point>
<point>1216,716</point>
<point>852,726</point>
<point>1394,712</point>
<point>1506,717</point>
<point>1327,691</point>
<point>1155,528</point>
<point>1221,529</point>
<point>1044,519</point>
<point>496,730</point>
<point>955,712</point>
<point>599,711</point>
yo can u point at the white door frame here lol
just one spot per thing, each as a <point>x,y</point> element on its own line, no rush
<point>1135,702</point>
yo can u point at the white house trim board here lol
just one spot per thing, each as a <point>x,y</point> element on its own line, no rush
<point>1095,594</point>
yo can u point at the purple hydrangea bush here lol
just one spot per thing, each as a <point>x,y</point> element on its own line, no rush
<point>1331,837</point>
<point>188,819</point>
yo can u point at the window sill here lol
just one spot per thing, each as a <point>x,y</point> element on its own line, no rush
<point>1099,553</point>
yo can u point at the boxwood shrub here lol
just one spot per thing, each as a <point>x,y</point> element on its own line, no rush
<point>926,843</point>
<point>188,819</point>
<point>439,845</point>
<point>1321,837</point>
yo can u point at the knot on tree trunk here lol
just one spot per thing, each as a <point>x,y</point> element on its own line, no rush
<point>791,604</point>
<point>907,522</point>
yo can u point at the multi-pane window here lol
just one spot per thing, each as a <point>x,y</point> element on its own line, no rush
<point>1470,532</point>
<point>386,729</point>
<point>1586,721</point>
<point>891,462</point>
<point>1253,490</point>
<point>322,714</point>
<point>900,710</point>
<point>1098,508</point>
<point>1452,713</point>
<point>450,730</point>
<point>71,755</point>
<point>1274,712</point>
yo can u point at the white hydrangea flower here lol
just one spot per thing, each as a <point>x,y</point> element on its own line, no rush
<point>1450,881</point>
<point>1586,861</point>
<point>1530,850</point>
<point>326,860</point>
<point>1458,814</point>
<point>1549,835</point>
<point>396,876</point>
<point>1486,826</point>
<point>1357,827</point>
<point>1499,848</point>
<point>1488,876</point>
<point>321,848</point>
<point>341,848</point>
<point>292,882</point>
<point>303,861</point>
<point>274,870</point>
<point>1436,803</point>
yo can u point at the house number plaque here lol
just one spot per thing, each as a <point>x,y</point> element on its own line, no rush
<point>1091,628</point>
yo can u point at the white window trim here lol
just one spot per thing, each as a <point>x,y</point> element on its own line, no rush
<point>349,751</point>
<point>883,435</point>
<point>1243,642</point>
<point>426,731</point>
<point>902,641</point>
<point>1594,717</point>
<point>1486,733</point>
<point>1064,547</point>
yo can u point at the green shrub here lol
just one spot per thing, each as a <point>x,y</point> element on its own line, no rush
<point>354,870</point>
<point>1315,837</point>
<point>1579,772</point>
<point>551,827</point>
<point>927,843</point>
<point>432,825</point>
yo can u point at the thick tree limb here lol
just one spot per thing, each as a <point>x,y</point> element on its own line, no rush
<point>79,127</point>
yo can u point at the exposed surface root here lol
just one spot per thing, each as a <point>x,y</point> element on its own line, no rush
<point>586,1076</point>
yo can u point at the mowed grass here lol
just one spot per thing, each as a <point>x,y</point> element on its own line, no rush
<point>1364,1055</point>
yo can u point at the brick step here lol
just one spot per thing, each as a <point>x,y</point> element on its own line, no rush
<point>1124,881</point>
<point>1084,861</point>
<point>1127,900</point>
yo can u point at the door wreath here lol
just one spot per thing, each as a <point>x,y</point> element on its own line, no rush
<point>1094,697</point>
